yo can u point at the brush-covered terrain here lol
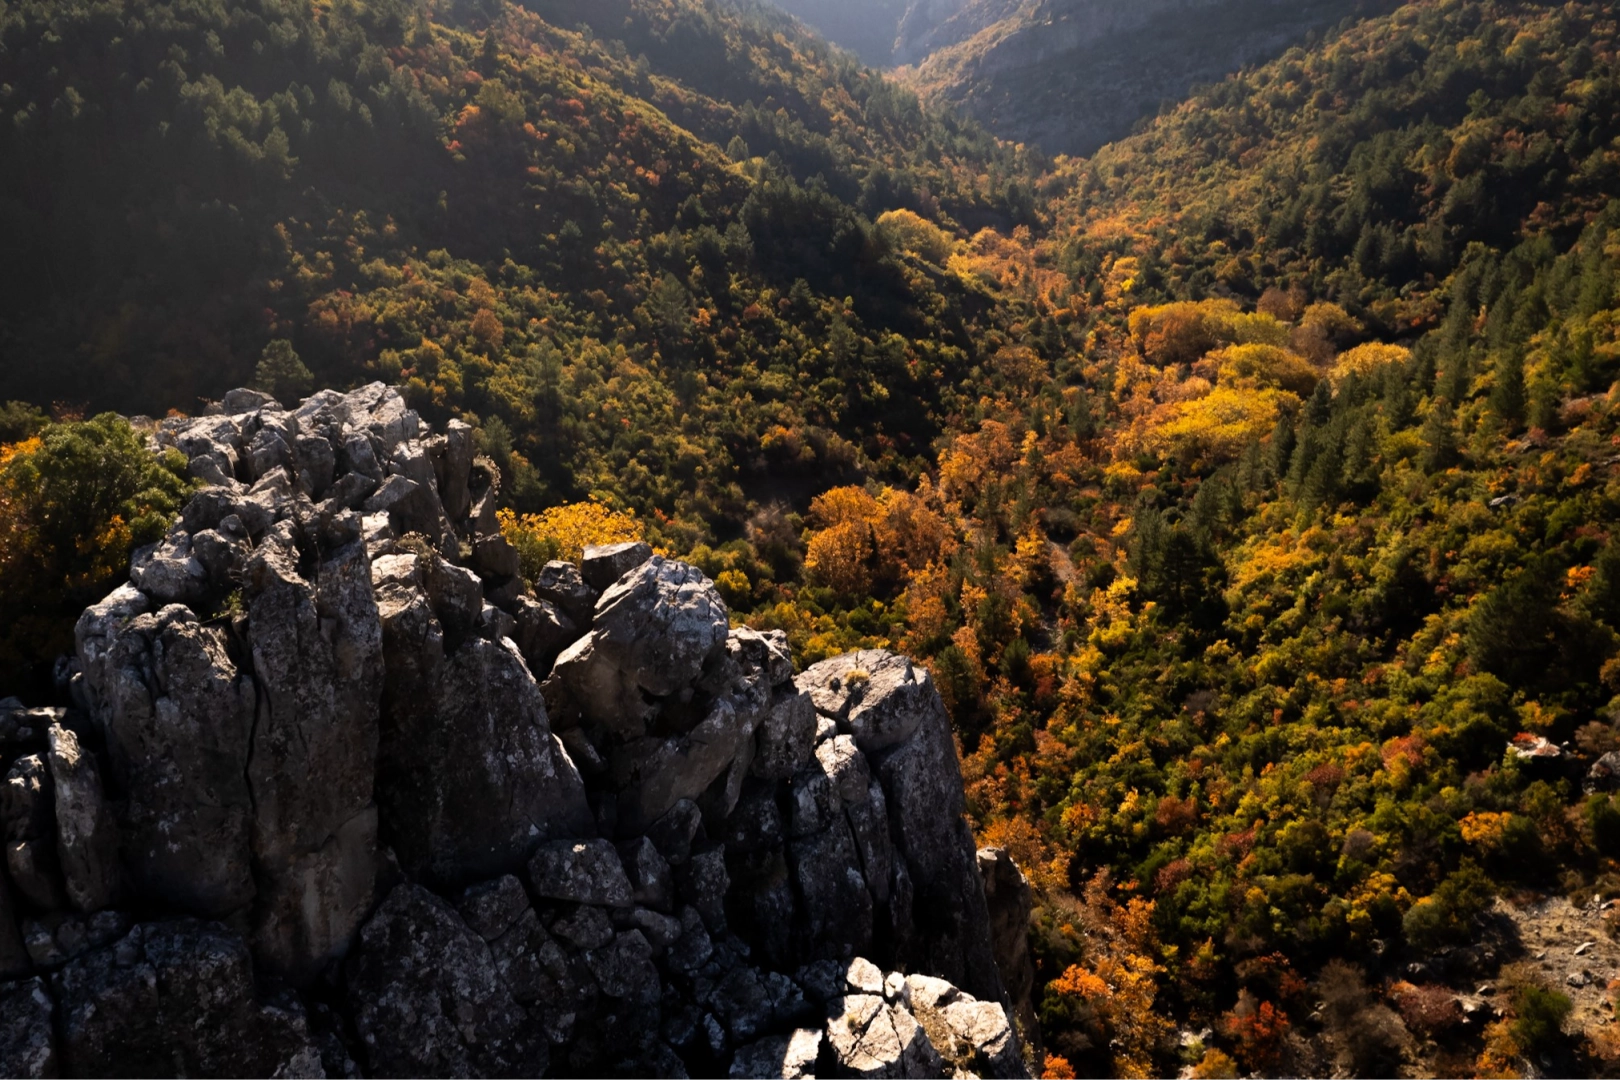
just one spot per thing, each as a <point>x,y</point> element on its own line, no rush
<point>1248,487</point>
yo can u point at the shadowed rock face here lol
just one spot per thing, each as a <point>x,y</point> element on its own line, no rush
<point>469,828</point>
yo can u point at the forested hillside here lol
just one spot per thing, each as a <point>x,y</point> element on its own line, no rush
<point>1261,606</point>
<point>1249,487</point>
<point>506,215</point>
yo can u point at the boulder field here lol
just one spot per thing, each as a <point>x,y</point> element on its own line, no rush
<point>341,794</point>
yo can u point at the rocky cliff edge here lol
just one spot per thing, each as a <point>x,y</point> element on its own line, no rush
<point>341,795</point>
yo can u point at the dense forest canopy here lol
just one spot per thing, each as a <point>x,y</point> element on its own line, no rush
<point>1249,487</point>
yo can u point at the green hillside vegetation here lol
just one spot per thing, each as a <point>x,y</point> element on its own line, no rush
<point>546,230</point>
<point>1333,480</point>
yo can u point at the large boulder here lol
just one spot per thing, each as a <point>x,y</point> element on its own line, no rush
<point>470,776</point>
<point>654,629</point>
<point>28,814</point>
<point>86,837</point>
<point>868,1037</point>
<point>1010,901</point>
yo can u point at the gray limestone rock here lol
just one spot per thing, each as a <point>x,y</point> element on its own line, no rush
<point>584,927</point>
<point>673,833</point>
<point>177,997</point>
<point>879,697</point>
<point>318,666</point>
<point>765,651</point>
<point>604,564</point>
<point>624,968</point>
<point>869,1038</point>
<point>1009,899</point>
<point>220,556</point>
<point>702,882</point>
<point>788,1057</point>
<point>86,835</point>
<point>661,930</point>
<point>584,871</point>
<point>393,493</point>
<point>495,558</point>
<point>654,774</point>
<point>170,571</point>
<point>428,999</point>
<point>491,908</point>
<point>58,937</point>
<point>561,583</point>
<point>893,713</point>
<point>651,882</point>
<point>455,469</point>
<point>654,630</point>
<point>27,803</point>
<point>543,632</point>
<point>985,1040</point>
<point>176,713</point>
<point>786,739</point>
<point>456,594</point>
<point>470,777</point>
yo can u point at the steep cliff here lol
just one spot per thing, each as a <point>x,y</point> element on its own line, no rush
<point>341,795</point>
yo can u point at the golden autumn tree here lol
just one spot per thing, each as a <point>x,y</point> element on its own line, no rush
<point>863,544</point>
<point>564,532</point>
<point>1108,997</point>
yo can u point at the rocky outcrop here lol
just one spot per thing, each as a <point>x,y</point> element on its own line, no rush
<point>343,794</point>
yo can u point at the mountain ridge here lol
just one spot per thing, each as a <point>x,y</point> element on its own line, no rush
<point>1071,75</point>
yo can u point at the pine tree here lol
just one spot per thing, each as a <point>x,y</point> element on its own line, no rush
<point>1441,439</point>
<point>1508,398</point>
<point>281,374</point>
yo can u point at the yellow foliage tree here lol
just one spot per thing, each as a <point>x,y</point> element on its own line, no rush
<point>1364,359</point>
<point>1261,366</point>
<point>1220,425</point>
<point>1181,332</point>
<point>1178,333</point>
<point>861,542</point>
<point>915,235</point>
<point>839,558</point>
<point>564,532</point>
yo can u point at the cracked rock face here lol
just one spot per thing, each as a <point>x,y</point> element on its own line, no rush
<point>342,794</point>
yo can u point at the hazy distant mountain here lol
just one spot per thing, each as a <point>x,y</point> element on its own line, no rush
<point>1070,75</point>
<point>867,28</point>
